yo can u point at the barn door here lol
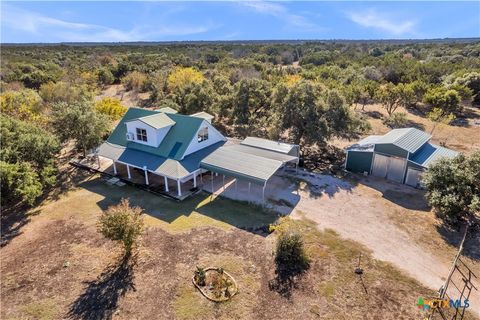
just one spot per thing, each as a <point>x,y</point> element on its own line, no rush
<point>396,169</point>
<point>413,177</point>
<point>380,166</point>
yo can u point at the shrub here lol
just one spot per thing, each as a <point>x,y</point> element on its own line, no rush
<point>135,81</point>
<point>200,276</point>
<point>290,256</point>
<point>19,182</point>
<point>180,78</point>
<point>123,224</point>
<point>397,120</point>
<point>453,187</point>
<point>111,107</point>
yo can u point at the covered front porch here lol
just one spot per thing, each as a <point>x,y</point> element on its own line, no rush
<point>178,189</point>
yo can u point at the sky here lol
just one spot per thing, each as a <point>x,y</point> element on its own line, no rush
<point>119,21</point>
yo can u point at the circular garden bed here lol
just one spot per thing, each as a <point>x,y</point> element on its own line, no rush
<point>215,284</point>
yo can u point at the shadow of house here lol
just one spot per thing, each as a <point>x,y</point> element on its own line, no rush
<point>101,296</point>
<point>239,214</point>
<point>318,185</point>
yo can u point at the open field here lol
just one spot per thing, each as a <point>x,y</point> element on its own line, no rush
<point>58,266</point>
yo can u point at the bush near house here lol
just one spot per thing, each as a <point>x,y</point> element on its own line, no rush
<point>453,187</point>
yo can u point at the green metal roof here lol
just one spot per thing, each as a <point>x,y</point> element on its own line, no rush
<point>174,144</point>
<point>157,121</point>
<point>409,139</point>
<point>268,144</point>
<point>241,165</point>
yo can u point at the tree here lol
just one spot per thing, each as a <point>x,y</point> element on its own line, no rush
<point>181,77</point>
<point>111,107</point>
<point>23,141</point>
<point>135,81</point>
<point>81,122</point>
<point>105,76</point>
<point>389,96</point>
<point>446,100</point>
<point>406,95</point>
<point>122,223</point>
<point>472,81</point>
<point>453,188</point>
<point>438,116</point>
<point>19,182</point>
<point>24,105</point>
<point>251,102</point>
<point>53,92</point>
<point>290,256</point>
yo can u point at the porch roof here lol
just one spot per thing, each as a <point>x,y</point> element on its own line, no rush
<point>163,166</point>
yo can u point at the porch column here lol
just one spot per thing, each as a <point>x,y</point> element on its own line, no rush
<point>194,180</point>
<point>146,175</point>
<point>166,183</point>
<point>179,188</point>
<point>263,192</point>
<point>249,184</point>
<point>98,159</point>
<point>114,168</point>
<point>223,182</point>
<point>212,182</point>
<point>128,172</point>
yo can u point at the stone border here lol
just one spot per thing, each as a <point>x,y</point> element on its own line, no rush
<point>215,299</point>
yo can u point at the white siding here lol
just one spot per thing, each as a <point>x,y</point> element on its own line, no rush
<point>213,137</point>
<point>154,137</point>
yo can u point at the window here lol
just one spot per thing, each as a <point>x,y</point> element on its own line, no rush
<point>202,134</point>
<point>141,134</point>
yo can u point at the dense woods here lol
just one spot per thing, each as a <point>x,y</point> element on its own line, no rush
<point>301,92</point>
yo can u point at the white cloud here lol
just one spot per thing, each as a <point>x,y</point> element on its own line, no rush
<point>37,24</point>
<point>281,12</point>
<point>373,19</point>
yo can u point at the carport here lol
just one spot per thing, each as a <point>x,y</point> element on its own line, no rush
<point>247,163</point>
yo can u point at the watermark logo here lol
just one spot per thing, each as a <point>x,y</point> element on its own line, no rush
<point>431,304</point>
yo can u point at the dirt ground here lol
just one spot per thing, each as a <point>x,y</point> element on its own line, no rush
<point>58,266</point>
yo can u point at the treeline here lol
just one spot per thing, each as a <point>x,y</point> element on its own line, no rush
<point>300,92</point>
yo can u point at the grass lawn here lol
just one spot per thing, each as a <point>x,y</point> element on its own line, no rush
<point>60,267</point>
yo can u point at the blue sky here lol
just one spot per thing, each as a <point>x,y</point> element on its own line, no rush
<point>115,21</point>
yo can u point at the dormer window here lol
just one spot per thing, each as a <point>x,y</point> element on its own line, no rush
<point>202,134</point>
<point>141,134</point>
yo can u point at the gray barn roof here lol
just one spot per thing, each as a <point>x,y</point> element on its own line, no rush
<point>409,139</point>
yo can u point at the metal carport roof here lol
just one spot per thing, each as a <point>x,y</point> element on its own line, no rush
<point>241,165</point>
<point>276,146</point>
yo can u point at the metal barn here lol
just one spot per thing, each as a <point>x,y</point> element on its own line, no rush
<point>401,155</point>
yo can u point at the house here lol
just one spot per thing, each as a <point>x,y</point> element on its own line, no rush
<point>181,147</point>
<point>401,155</point>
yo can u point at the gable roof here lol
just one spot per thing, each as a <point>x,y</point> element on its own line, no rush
<point>409,139</point>
<point>174,144</point>
<point>167,110</point>
<point>430,153</point>
<point>204,115</point>
<point>157,121</point>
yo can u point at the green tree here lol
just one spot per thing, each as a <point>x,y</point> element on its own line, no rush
<point>290,256</point>
<point>105,76</point>
<point>24,105</point>
<point>390,97</point>
<point>453,188</point>
<point>19,183</point>
<point>81,122</point>
<point>251,101</point>
<point>438,117</point>
<point>122,223</point>
<point>446,100</point>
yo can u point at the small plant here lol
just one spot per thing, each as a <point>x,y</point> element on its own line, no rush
<point>123,224</point>
<point>219,283</point>
<point>200,276</point>
<point>290,256</point>
<point>397,120</point>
